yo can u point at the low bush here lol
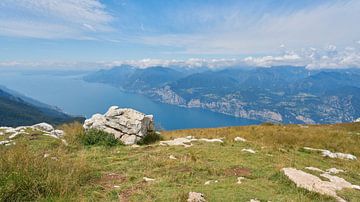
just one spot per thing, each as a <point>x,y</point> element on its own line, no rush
<point>98,137</point>
<point>150,138</point>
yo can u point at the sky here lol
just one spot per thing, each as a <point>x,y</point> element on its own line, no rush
<point>214,33</point>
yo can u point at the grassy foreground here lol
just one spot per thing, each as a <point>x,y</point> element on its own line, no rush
<point>44,169</point>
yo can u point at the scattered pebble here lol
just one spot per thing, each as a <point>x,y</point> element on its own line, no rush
<point>135,146</point>
<point>314,169</point>
<point>239,180</point>
<point>46,155</point>
<point>327,153</point>
<point>254,200</point>
<point>239,139</point>
<point>210,182</point>
<point>172,157</point>
<point>146,179</point>
<point>116,186</point>
<point>249,151</point>
<point>334,171</point>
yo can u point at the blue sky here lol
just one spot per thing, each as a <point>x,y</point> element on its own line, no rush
<point>321,33</point>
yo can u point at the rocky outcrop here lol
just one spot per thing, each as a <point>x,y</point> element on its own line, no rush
<point>357,120</point>
<point>327,153</point>
<point>127,125</point>
<point>315,184</point>
<point>43,128</point>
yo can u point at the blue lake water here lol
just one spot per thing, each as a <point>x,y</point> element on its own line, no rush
<point>77,97</point>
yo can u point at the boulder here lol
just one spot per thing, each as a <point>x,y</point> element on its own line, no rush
<point>45,127</point>
<point>127,125</point>
<point>357,120</point>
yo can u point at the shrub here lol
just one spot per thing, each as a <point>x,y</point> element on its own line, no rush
<point>98,137</point>
<point>150,138</point>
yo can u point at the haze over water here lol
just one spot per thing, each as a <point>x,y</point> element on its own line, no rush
<point>77,97</point>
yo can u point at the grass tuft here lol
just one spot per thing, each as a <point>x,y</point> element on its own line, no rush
<point>151,138</point>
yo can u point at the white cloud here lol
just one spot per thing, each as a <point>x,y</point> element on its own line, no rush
<point>328,57</point>
<point>53,18</point>
<point>332,22</point>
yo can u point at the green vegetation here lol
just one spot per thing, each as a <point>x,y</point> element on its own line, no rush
<point>151,138</point>
<point>98,137</point>
<point>101,173</point>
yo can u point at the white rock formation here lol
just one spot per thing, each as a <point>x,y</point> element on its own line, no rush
<point>44,128</point>
<point>327,153</point>
<point>315,184</point>
<point>249,151</point>
<point>127,125</point>
<point>196,197</point>
<point>239,139</point>
<point>357,120</point>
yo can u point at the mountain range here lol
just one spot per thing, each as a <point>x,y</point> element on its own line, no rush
<point>283,94</point>
<point>18,110</point>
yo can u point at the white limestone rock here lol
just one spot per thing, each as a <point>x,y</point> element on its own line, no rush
<point>357,120</point>
<point>249,151</point>
<point>315,184</point>
<point>196,197</point>
<point>334,171</point>
<point>127,125</point>
<point>239,139</point>
<point>327,153</point>
<point>43,127</point>
<point>146,179</point>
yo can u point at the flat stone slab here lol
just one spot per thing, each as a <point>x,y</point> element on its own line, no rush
<point>315,184</point>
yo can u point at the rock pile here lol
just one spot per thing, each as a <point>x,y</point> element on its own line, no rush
<point>44,128</point>
<point>127,125</point>
<point>327,153</point>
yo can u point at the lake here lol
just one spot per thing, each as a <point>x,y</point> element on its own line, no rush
<point>77,97</point>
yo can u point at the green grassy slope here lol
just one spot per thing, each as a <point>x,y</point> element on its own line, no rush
<point>98,173</point>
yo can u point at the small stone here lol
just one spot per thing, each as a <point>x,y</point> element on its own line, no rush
<point>314,169</point>
<point>196,197</point>
<point>135,146</point>
<point>116,186</point>
<point>254,200</point>
<point>239,180</point>
<point>146,179</point>
<point>210,182</point>
<point>334,171</point>
<point>249,151</point>
<point>46,155</point>
<point>239,139</point>
<point>172,157</point>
